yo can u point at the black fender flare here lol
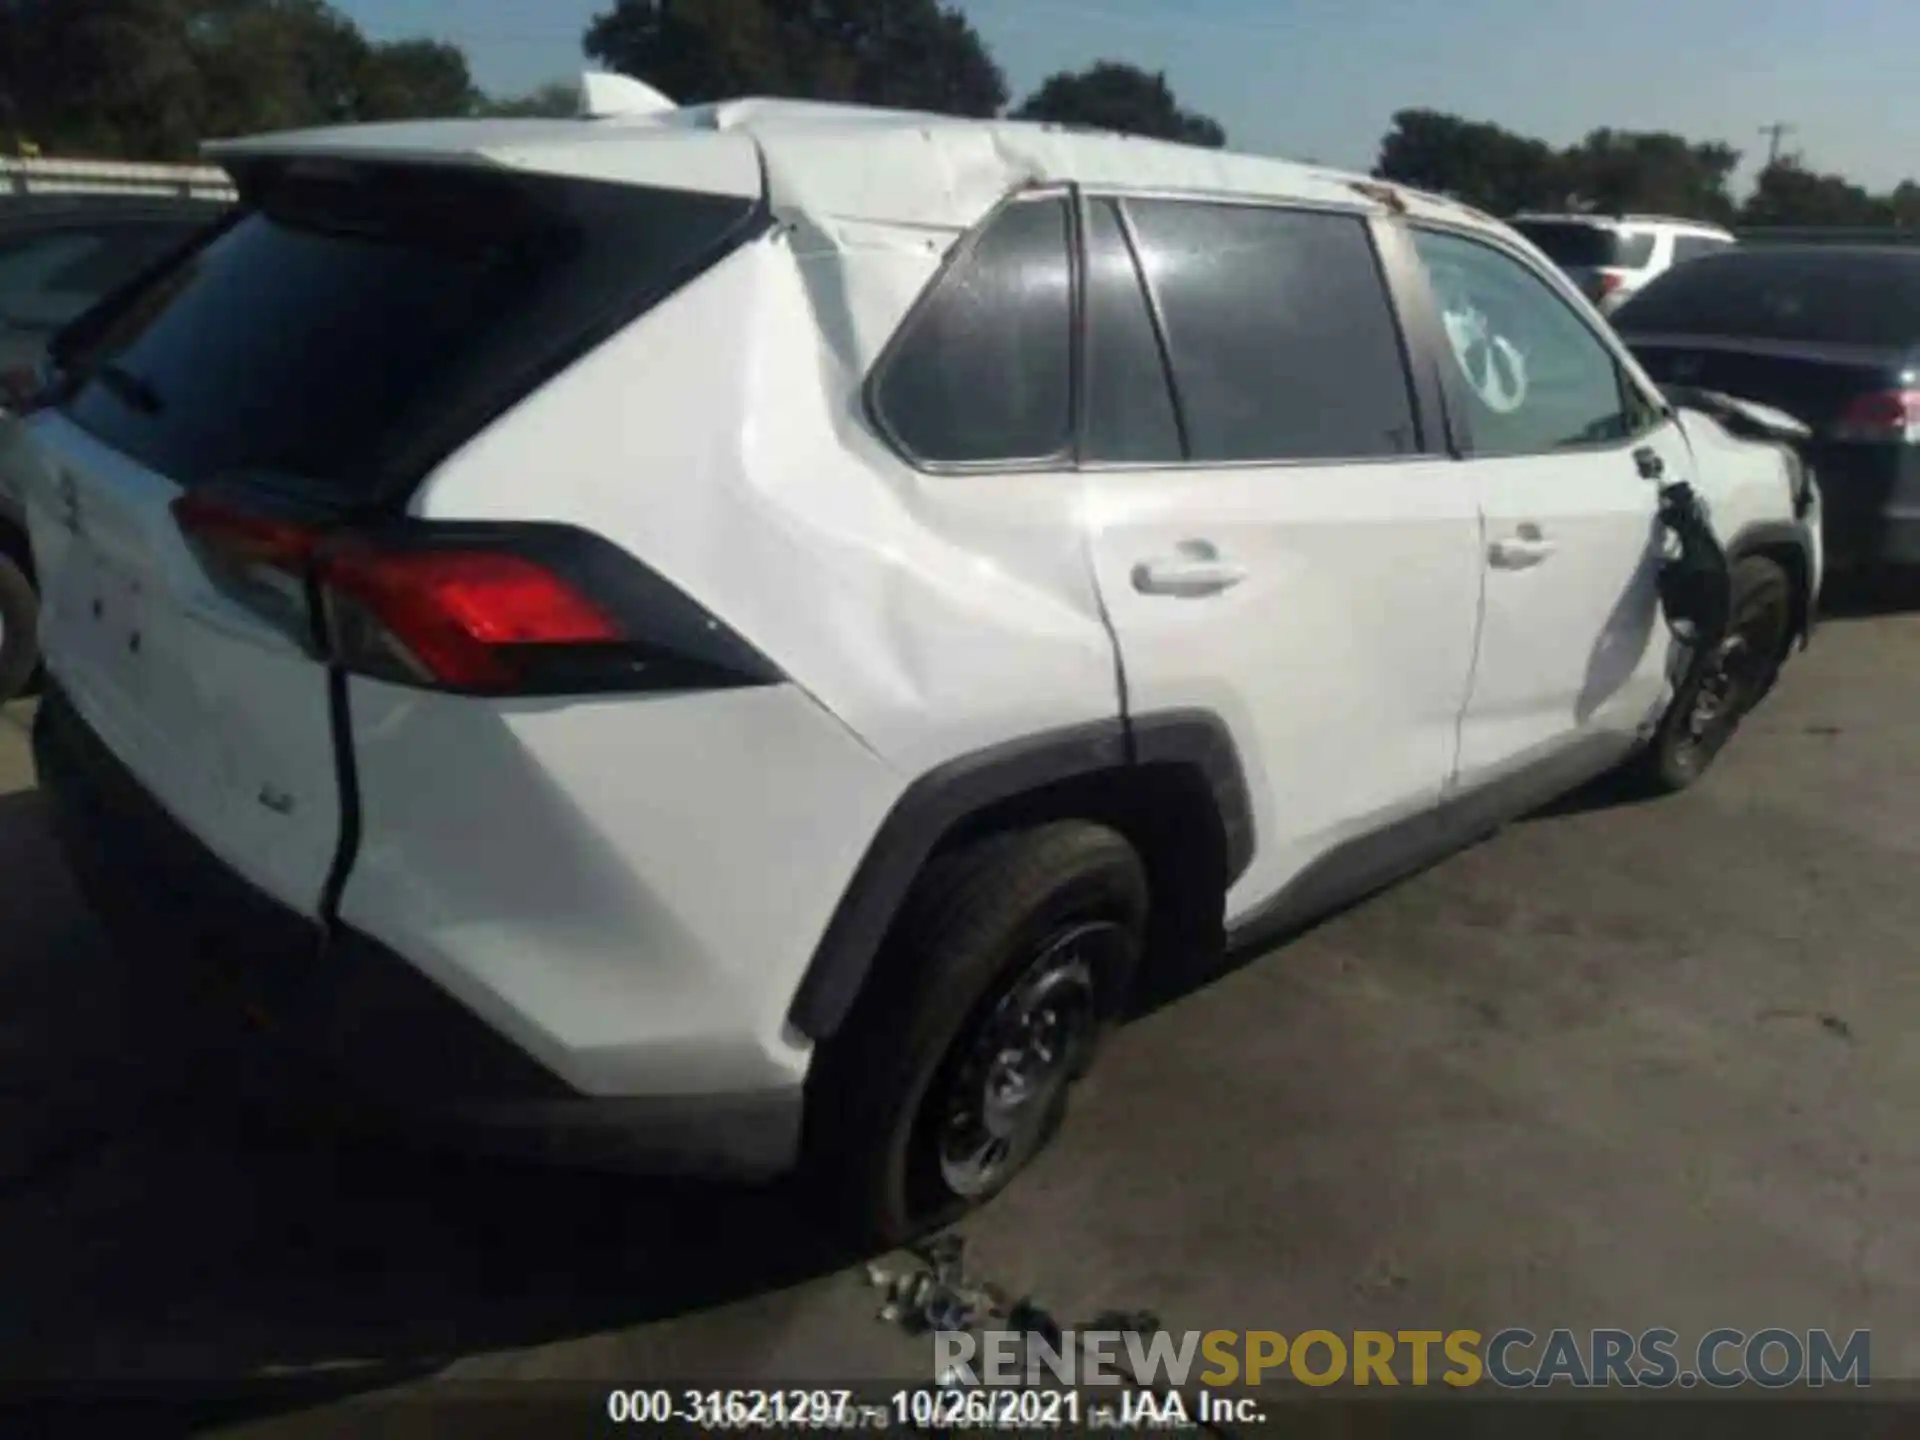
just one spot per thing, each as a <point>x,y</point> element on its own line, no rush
<point>945,797</point>
<point>1764,535</point>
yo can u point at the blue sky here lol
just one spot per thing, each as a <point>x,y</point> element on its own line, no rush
<point>1320,78</point>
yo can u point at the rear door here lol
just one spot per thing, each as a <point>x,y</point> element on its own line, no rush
<point>1564,453</point>
<point>1280,541</point>
<point>299,372</point>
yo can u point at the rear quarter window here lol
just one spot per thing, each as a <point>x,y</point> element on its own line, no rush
<point>982,371</point>
<point>348,330</point>
<point>1695,247</point>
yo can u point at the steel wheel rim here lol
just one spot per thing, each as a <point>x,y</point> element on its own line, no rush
<point>1017,1061</point>
<point>1732,682</point>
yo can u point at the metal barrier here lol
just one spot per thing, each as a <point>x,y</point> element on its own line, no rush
<point>113,177</point>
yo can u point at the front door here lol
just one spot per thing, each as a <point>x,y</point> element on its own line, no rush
<point>1567,458</point>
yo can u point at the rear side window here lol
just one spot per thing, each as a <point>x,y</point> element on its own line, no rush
<point>1692,247</point>
<point>359,323</point>
<point>1130,415</point>
<point>1281,336</point>
<point>50,277</point>
<point>1837,295</point>
<point>982,372</point>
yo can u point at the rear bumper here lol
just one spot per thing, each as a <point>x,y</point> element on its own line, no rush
<point>387,1034</point>
<point>1870,497</point>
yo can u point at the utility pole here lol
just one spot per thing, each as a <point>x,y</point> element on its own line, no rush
<point>1775,133</point>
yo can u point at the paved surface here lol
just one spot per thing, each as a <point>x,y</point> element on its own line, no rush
<point>1631,1066</point>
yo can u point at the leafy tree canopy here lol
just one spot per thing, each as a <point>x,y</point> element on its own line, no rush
<point>1623,171</point>
<point>1113,96</point>
<point>151,79</point>
<point>912,54</point>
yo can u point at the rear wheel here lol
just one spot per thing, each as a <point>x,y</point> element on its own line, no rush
<point>1011,959</point>
<point>19,614</point>
<point>1710,707</point>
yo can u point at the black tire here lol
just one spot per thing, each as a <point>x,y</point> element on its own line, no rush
<point>1708,709</point>
<point>991,930</point>
<point>19,614</point>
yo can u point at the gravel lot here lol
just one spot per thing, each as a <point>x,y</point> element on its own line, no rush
<point>1621,1065</point>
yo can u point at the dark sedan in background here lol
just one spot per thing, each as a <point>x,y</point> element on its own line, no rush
<point>59,255</point>
<point>1830,334</point>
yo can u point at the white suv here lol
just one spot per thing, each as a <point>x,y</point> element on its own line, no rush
<point>1613,257</point>
<point>715,639</point>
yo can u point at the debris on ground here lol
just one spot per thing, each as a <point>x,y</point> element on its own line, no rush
<point>931,1290</point>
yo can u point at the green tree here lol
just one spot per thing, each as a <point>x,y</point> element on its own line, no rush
<point>1477,163</point>
<point>106,77</point>
<point>1787,193</point>
<point>1621,172</point>
<point>415,79</point>
<point>1903,205</point>
<point>1111,96</point>
<point>151,79</point>
<point>915,54</point>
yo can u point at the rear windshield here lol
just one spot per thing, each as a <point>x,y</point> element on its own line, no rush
<point>354,325</point>
<point>1570,243</point>
<point>1862,298</point>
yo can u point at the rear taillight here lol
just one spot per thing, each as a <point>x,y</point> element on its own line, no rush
<point>483,609</point>
<point>1609,283</point>
<point>462,619</point>
<point>259,560</point>
<point>1888,417</point>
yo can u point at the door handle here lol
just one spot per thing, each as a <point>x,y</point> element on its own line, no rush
<point>1522,551</point>
<point>1648,462</point>
<point>1193,571</point>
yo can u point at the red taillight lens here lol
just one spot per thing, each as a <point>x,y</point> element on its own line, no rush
<point>448,614</point>
<point>240,537</point>
<point>494,608</point>
<point>1610,283</point>
<point>1886,416</point>
<point>258,560</point>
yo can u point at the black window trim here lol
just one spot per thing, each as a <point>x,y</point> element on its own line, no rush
<point>1063,457</point>
<point>1427,402</point>
<point>1423,401</point>
<point>1458,411</point>
<point>1084,201</point>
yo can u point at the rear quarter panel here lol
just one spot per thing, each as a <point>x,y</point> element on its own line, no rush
<point>633,886</point>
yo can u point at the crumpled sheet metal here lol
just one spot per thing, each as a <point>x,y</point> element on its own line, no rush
<point>948,176</point>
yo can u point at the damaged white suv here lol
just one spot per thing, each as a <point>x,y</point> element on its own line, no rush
<point>726,637</point>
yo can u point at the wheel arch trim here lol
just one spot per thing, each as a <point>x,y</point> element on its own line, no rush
<point>947,796</point>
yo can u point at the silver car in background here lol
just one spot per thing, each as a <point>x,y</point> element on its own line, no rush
<point>60,255</point>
